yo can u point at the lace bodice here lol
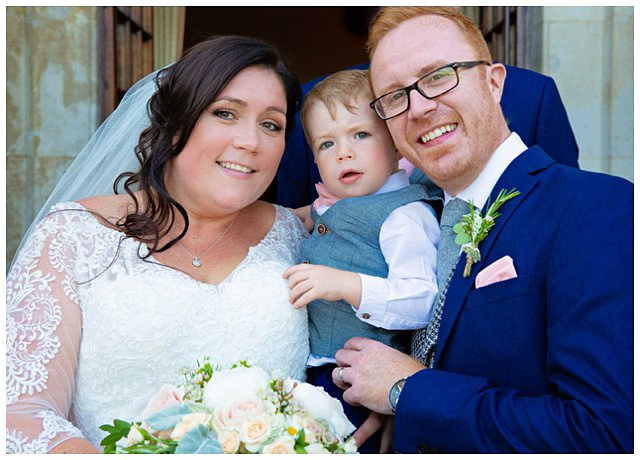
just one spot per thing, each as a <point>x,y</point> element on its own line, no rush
<point>91,345</point>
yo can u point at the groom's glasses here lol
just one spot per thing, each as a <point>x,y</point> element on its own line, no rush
<point>432,85</point>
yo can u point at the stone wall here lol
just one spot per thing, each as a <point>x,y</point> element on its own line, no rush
<point>52,103</point>
<point>589,53</point>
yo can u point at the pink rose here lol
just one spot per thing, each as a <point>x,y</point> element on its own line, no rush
<point>167,396</point>
<point>231,416</point>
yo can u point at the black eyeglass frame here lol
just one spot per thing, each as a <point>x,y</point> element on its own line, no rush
<point>408,89</point>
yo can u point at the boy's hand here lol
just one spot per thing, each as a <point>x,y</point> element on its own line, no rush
<point>310,282</point>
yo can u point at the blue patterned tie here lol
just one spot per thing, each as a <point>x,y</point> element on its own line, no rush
<point>423,345</point>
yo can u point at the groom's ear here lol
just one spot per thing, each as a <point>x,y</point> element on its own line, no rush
<point>497,76</point>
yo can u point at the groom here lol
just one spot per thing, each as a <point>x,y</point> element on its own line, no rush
<point>532,350</point>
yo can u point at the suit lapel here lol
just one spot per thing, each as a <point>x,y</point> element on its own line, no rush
<point>519,175</point>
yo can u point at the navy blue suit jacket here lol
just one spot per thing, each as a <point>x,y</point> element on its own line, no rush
<point>530,102</point>
<point>542,362</point>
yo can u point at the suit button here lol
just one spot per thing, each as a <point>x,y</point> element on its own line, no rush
<point>322,229</point>
<point>424,449</point>
<point>305,262</point>
<point>366,316</point>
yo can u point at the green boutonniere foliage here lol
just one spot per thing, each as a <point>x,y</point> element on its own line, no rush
<point>473,227</point>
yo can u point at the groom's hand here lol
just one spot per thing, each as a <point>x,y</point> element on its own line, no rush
<point>369,370</point>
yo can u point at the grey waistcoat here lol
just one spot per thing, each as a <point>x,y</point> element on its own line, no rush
<point>347,237</point>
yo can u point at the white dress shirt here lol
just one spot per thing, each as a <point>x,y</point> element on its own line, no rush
<point>478,191</point>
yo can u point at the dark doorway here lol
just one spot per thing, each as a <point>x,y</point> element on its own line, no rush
<point>315,40</point>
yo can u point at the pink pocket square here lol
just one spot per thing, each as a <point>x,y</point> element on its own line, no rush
<point>500,270</point>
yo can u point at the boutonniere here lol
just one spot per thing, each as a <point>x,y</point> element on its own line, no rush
<point>473,227</point>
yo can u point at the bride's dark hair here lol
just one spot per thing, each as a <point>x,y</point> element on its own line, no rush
<point>185,91</point>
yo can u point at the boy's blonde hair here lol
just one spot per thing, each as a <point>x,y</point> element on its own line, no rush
<point>342,88</point>
<point>388,18</point>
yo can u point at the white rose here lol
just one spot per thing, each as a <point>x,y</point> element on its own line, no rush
<point>316,449</point>
<point>188,423</point>
<point>229,442</point>
<point>283,445</point>
<point>321,406</point>
<point>134,436</point>
<point>254,431</point>
<point>231,385</point>
<point>231,416</point>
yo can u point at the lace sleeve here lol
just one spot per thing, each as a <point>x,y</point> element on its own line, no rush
<point>44,325</point>
<point>296,232</point>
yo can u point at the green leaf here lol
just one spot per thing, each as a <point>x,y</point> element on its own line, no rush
<point>121,425</point>
<point>111,439</point>
<point>168,418</point>
<point>458,228</point>
<point>107,428</point>
<point>462,238</point>
<point>301,443</point>
<point>117,431</point>
<point>199,441</point>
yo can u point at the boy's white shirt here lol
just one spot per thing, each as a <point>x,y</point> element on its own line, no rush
<point>409,243</point>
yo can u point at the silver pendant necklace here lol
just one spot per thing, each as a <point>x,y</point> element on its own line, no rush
<point>197,260</point>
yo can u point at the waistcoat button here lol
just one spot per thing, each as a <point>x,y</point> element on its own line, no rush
<point>322,229</point>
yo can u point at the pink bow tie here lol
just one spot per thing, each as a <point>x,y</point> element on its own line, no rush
<point>325,196</point>
<point>408,167</point>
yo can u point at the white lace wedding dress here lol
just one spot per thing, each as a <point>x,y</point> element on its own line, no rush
<point>89,345</point>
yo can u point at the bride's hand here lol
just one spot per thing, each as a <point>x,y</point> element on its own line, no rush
<point>371,425</point>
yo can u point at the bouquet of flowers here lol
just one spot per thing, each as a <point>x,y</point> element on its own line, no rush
<point>234,410</point>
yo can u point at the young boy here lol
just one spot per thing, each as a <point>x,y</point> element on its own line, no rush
<point>369,265</point>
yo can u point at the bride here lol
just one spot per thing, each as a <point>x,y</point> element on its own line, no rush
<point>110,295</point>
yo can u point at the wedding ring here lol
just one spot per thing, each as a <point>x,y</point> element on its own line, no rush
<point>340,378</point>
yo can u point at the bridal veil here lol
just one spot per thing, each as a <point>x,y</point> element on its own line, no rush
<point>109,152</point>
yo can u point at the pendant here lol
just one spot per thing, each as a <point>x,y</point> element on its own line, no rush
<point>196,262</point>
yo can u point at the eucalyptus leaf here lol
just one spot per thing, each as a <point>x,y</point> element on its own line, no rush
<point>199,441</point>
<point>168,418</point>
<point>457,228</point>
<point>462,238</point>
<point>196,407</point>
